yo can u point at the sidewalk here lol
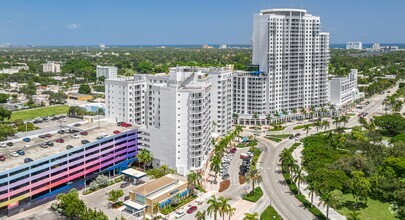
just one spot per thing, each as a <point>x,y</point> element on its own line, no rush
<point>333,214</point>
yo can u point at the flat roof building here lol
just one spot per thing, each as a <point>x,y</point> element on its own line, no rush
<point>343,90</point>
<point>160,191</point>
<point>106,71</point>
<point>55,170</point>
<point>51,67</point>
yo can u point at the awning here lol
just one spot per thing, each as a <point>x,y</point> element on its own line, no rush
<point>134,205</point>
<point>134,173</point>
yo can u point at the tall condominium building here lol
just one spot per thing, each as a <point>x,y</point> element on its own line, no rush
<point>293,54</point>
<point>376,46</point>
<point>51,67</point>
<point>106,71</point>
<point>343,90</point>
<point>354,45</point>
<point>176,112</point>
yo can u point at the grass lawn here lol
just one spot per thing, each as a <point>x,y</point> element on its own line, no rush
<point>274,139</point>
<point>270,213</point>
<point>247,144</point>
<point>279,135</point>
<point>374,209</point>
<point>255,195</point>
<point>302,126</point>
<point>39,112</point>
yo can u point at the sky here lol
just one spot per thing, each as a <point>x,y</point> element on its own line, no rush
<point>159,22</point>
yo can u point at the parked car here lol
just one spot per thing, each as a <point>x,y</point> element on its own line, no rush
<point>26,146</point>
<point>3,145</point>
<point>119,123</point>
<point>85,141</point>
<point>14,154</point>
<point>127,125</point>
<point>42,136</point>
<point>123,124</point>
<point>27,160</point>
<point>61,132</point>
<point>26,139</point>
<point>191,209</point>
<point>84,133</point>
<point>69,147</point>
<point>48,135</point>
<point>49,143</point>
<point>100,137</point>
<point>2,157</point>
<point>21,152</point>
<point>179,214</point>
<point>225,176</point>
<point>291,137</point>
<point>233,150</point>
<point>116,132</point>
<point>43,145</point>
<point>10,144</point>
<point>75,136</point>
<point>124,184</point>
<point>60,140</point>
<point>77,125</point>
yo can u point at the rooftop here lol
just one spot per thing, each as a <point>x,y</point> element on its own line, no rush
<point>35,152</point>
<point>148,189</point>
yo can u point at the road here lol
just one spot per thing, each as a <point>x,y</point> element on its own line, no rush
<point>274,186</point>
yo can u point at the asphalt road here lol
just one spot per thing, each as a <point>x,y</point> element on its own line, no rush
<point>274,185</point>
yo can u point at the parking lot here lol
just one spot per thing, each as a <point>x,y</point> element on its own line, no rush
<point>33,150</point>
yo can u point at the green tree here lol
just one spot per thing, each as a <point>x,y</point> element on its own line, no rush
<point>359,186</point>
<point>90,214</point>
<point>325,124</point>
<point>254,177</point>
<point>249,216</point>
<point>344,119</point>
<point>84,89</point>
<point>224,206</point>
<point>4,97</point>
<point>307,128</point>
<point>4,114</point>
<point>213,207</point>
<point>114,195</point>
<point>200,215</point>
<point>193,179</point>
<point>57,98</point>
<point>71,205</point>
<point>336,198</point>
<point>391,124</point>
<point>299,178</point>
<point>145,157</point>
<point>215,165</point>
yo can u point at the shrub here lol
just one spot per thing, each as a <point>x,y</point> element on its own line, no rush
<point>117,180</point>
<point>242,179</point>
<point>255,195</point>
<point>224,185</point>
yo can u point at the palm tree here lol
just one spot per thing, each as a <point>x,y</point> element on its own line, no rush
<point>324,200</point>
<point>277,115</point>
<point>144,156</point>
<point>285,113</point>
<point>269,117</point>
<point>213,207</point>
<point>318,124</point>
<point>193,179</point>
<point>215,165</point>
<point>299,178</point>
<point>235,118</point>
<point>254,176</point>
<point>344,119</point>
<point>223,206</point>
<point>254,216</point>
<point>294,111</point>
<point>307,128</point>
<point>255,116</point>
<point>312,191</point>
<point>322,110</point>
<point>325,124</point>
<point>231,212</point>
<point>336,121</point>
<point>200,215</point>
<point>303,112</point>
<point>285,158</point>
<point>155,208</point>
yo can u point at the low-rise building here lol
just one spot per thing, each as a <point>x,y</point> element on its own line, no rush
<point>51,67</point>
<point>106,72</point>
<point>80,97</point>
<point>343,90</point>
<point>160,191</point>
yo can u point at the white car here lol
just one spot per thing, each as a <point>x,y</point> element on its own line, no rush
<point>3,145</point>
<point>26,146</point>
<point>14,154</point>
<point>75,136</point>
<point>179,214</point>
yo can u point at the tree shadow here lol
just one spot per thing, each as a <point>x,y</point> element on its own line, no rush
<point>351,205</point>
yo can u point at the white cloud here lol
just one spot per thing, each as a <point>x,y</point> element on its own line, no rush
<point>74,26</point>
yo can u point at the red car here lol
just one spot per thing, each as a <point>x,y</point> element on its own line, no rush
<point>123,124</point>
<point>192,209</point>
<point>2,157</point>
<point>84,133</point>
<point>60,140</point>
<point>233,150</point>
<point>127,125</point>
<point>48,135</point>
<point>116,132</point>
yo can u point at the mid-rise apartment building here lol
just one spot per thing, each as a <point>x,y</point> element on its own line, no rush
<point>51,67</point>
<point>293,54</point>
<point>106,71</point>
<point>354,45</point>
<point>376,46</point>
<point>343,90</point>
<point>178,112</point>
